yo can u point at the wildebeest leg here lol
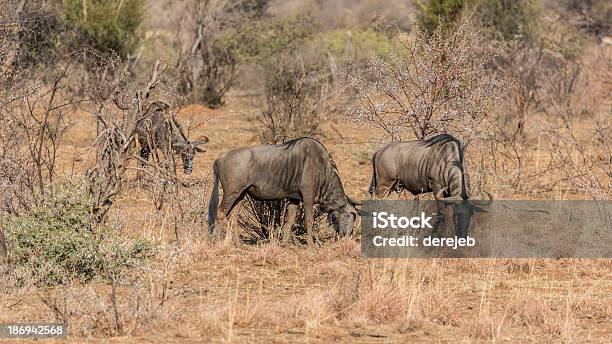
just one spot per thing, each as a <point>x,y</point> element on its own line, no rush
<point>290,220</point>
<point>383,186</point>
<point>228,203</point>
<point>231,234</point>
<point>308,200</point>
<point>439,221</point>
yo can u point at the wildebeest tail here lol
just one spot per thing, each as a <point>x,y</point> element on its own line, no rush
<point>213,204</point>
<point>374,176</point>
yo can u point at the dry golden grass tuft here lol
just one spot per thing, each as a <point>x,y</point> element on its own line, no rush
<point>211,291</point>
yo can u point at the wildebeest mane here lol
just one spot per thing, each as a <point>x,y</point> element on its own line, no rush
<point>289,144</point>
<point>441,138</point>
<point>444,138</point>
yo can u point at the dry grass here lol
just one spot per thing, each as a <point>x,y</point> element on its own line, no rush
<point>269,292</point>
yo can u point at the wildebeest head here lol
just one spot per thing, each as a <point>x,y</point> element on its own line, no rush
<point>187,150</point>
<point>343,219</point>
<point>463,210</point>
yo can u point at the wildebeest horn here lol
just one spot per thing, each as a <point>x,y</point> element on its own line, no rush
<point>484,203</point>
<point>204,140</point>
<point>439,196</point>
<point>353,201</point>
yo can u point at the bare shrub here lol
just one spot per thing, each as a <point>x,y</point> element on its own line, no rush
<point>185,209</point>
<point>534,138</point>
<point>28,35</point>
<point>513,132</point>
<point>521,62</point>
<point>580,144</point>
<point>267,221</point>
<point>122,107</point>
<point>210,66</point>
<point>33,123</point>
<point>116,138</point>
<point>295,90</point>
<point>426,86</point>
<point>263,220</point>
<point>584,163</point>
<point>543,67</point>
<point>132,302</point>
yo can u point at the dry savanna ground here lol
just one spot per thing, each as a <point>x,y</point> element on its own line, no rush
<point>195,290</point>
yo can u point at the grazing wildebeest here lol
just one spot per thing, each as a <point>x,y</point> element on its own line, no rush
<point>434,165</point>
<point>300,169</point>
<point>161,130</point>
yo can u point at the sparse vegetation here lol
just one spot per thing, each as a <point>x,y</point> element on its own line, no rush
<point>499,19</point>
<point>222,36</point>
<point>105,26</point>
<point>439,13</point>
<point>425,86</point>
<point>593,16</point>
<point>53,243</point>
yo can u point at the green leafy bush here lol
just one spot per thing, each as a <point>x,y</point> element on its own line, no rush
<point>106,25</point>
<point>500,19</point>
<point>223,37</point>
<point>432,14</point>
<point>505,20</point>
<point>54,243</point>
<point>593,15</point>
<point>262,39</point>
<point>354,45</point>
<point>29,36</point>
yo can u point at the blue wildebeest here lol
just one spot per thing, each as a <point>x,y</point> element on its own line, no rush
<point>433,165</point>
<point>160,130</point>
<point>300,169</point>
